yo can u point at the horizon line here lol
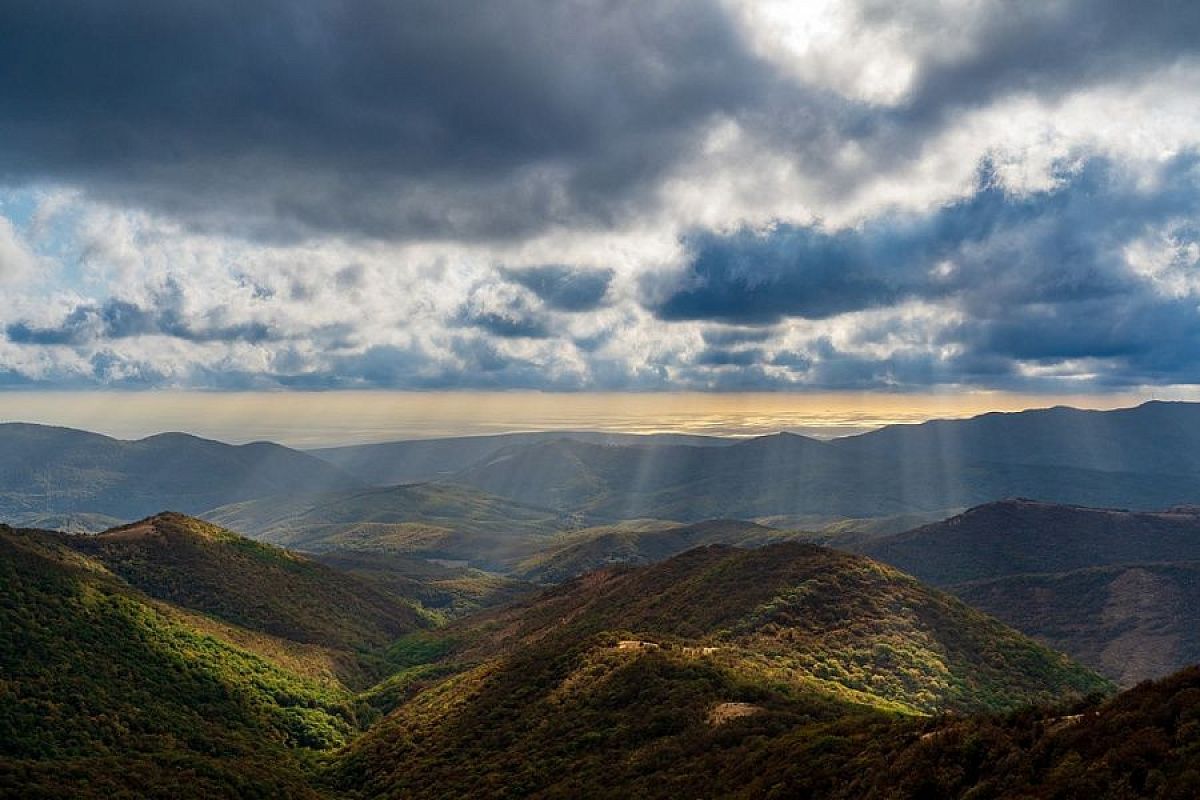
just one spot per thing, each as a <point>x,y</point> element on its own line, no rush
<point>567,431</point>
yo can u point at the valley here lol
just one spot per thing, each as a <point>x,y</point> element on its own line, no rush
<point>559,617</point>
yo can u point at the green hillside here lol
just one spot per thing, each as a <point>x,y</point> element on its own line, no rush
<point>811,615</point>
<point>199,566</point>
<point>827,675</point>
<point>653,742</point>
<point>544,700</point>
<point>107,693</point>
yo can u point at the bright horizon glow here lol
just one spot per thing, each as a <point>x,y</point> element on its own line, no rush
<point>319,419</point>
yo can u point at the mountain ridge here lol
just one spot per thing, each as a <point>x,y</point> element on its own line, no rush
<point>1143,457</point>
<point>49,469</point>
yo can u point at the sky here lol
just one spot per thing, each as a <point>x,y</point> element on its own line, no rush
<point>924,198</point>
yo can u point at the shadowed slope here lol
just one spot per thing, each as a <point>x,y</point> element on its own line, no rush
<point>1117,590</point>
<point>1014,537</point>
<point>1140,744</point>
<point>1130,623</point>
<point>1138,458</point>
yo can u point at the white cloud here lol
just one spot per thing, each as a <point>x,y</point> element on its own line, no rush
<point>17,261</point>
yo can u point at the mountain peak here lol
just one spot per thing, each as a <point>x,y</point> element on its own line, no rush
<point>207,568</point>
<point>166,526</point>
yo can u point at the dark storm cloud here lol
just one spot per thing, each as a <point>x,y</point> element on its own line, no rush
<point>290,118</point>
<point>992,247</point>
<point>1139,340</point>
<point>564,288</point>
<point>112,370</point>
<point>1039,279</point>
<point>1049,49</point>
<point>118,319</point>
<point>720,357</point>
<point>754,278</point>
<point>506,325</point>
<point>284,117</point>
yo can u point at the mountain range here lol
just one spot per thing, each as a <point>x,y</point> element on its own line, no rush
<point>420,460</point>
<point>1140,458</point>
<point>891,471</point>
<point>1143,457</point>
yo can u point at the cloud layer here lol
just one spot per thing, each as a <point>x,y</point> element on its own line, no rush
<point>600,195</point>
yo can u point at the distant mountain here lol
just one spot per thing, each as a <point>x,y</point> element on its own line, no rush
<point>1154,438</point>
<point>1129,623</point>
<point>110,693</point>
<point>656,681</point>
<point>773,474</point>
<point>67,521</point>
<point>1014,537</point>
<point>423,520</point>
<point>45,469</point>
<point>198,566</point>
<point>918,469</point>
<point>420,460</point>
<point>1138,458</point>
